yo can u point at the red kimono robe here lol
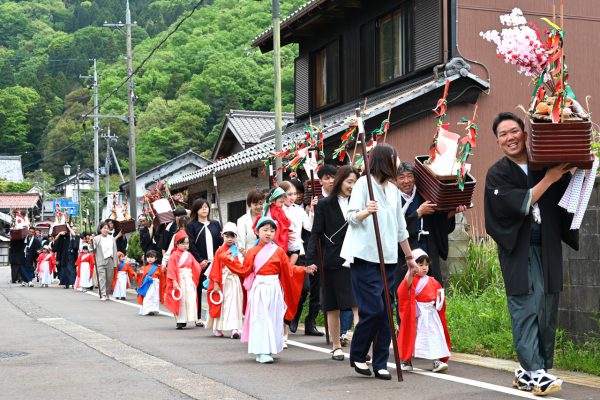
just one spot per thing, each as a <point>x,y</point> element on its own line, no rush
<point>127,268</point>
<point>407,307</point>
<point>291,277</point>
<point>85,257</point>
<point>173,275</point>
<point>145,270</point>
<point>51,262</point>
<point>221,260</point>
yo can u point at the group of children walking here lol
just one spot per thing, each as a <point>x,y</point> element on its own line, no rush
<point>250,297</point>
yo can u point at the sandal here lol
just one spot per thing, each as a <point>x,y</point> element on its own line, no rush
<point>200,324</point>
<point>337,354</point>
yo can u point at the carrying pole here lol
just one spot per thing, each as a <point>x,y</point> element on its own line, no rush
<point>386,291</point>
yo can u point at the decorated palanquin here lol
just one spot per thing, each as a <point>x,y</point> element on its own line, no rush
<point>443,176</point>
<point>560,128</point>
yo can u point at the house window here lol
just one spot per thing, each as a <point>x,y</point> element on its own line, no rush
<point>392,46</point>
<point>326,74</point>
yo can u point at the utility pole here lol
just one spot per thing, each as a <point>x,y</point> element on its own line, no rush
<point>130,114</point>
<point>96,145</point>
<point>277,68</point>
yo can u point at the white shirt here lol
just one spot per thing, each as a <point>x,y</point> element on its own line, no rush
<point>107,245</point>
<point>299,219</point>
<point>246,236</point>
<point>360,237</point>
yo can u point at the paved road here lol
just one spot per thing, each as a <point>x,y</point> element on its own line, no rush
<point>61,344</point>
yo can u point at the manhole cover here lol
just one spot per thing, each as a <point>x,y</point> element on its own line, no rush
<point>11,354</point>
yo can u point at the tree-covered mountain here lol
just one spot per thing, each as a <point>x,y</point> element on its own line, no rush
<point>184,90</point>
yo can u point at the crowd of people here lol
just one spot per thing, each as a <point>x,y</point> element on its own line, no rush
<point>259,271</point>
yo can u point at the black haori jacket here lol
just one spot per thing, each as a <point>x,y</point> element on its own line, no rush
<point>508,221</point>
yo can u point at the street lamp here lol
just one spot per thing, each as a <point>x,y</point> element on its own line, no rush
<point>67,171</point>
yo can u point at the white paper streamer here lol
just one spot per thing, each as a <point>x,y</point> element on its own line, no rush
<point>578,193</point>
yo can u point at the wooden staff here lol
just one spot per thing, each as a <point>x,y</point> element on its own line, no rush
<point>320,261</point>
<point>386,291</point>
<point>217,199</point>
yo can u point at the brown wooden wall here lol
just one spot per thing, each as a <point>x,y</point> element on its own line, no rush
<point>508,88</point>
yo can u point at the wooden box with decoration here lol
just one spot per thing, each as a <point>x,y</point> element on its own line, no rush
<point>18,234</point>
<point>125,226</point>
<point>443,177</point>
<point>58,228</point>
<point>560,129</point>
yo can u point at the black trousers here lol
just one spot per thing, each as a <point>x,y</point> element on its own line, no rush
<point>312,285</point>
<point>15,273</point>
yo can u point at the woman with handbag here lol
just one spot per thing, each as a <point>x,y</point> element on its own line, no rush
<point>205,239</point>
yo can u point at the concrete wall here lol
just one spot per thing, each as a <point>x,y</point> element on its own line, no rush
<point>234,187</point>
<point>579,309</point>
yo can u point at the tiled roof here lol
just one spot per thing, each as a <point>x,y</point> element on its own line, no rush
<point>18,200</point>
<point>11,169</point>
<point>249,126</point>
<point>334,122</point>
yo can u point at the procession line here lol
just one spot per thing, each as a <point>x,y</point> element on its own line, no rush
<point>418,371</point>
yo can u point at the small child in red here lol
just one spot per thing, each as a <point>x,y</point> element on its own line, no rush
<point>46,266</point>
<point>422,307</point>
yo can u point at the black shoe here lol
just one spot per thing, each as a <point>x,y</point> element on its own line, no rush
<point>293,326</point>
<point>312,331</point>
<point>365,372</point>
<point>384,376</point>
<point>180,325</point>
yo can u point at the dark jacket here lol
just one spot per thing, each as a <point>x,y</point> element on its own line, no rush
<point>198,240</point>
<point>508,221</point>
<point>31,251</point>
<point>329,227</point>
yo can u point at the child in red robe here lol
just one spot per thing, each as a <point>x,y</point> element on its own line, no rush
<point>122,277</point>
<point>46,266</point>
<point>151,293</point>
<point>422,307</point>
<point>85,269</point>
<point>274,287</point>
<point>183,274</point>
<point>225,295</point>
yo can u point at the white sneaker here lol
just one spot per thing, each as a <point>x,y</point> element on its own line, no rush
<point>30,284</point>
<point>264,359</point>
<point>522,380</point>
<point>545,384</point>
<point>439,366</point>
<point>406,366</point>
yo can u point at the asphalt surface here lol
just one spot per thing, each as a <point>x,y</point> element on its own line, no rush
<point>62,344</point>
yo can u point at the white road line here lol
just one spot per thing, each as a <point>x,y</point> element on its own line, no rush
<point>456,379</point>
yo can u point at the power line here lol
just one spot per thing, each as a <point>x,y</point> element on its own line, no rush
<point>135,71</point>
<point>122,83</point>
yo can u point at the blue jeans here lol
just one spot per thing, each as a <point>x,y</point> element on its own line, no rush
<point>373,325</point>
<point>346,321</point>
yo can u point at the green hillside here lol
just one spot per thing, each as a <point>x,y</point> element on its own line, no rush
<point>184,90</point>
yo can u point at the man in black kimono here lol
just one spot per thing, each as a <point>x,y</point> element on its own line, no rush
<point>523,217</point>
<point>32,247</point>
<point>16,258</point>
<point>67,251</point>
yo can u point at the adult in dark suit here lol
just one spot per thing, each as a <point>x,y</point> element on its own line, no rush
<point>16,258</point>
<point>205,238</point>
<point>32,246</point>
<point>67,251</point>
<point>329,228</point>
